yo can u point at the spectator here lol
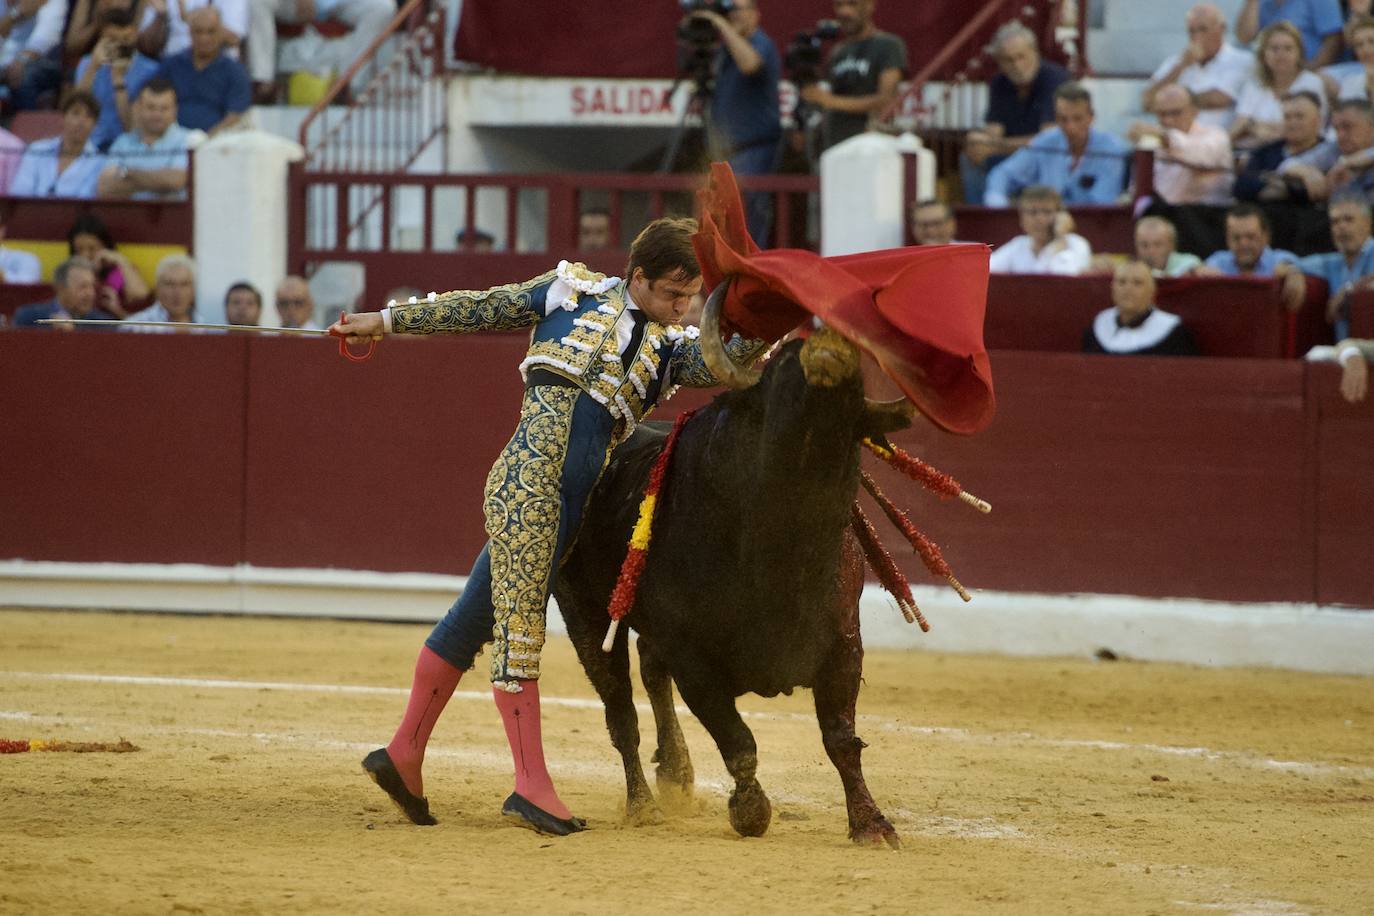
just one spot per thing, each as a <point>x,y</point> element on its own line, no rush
<point>1133,326</point>
<point>120,288</point>
<point>366,20</point>
<point>211,87</point>
<point>11,153</point>
<point>16,266</point>
<point>151,160</point>
<point>1195,164</point>
<point>932,222</point>
<point>1354,126</point>
<point>1319,21</point>
<point>1295,166</point>
<point>1348,268</point>
<point>474,241</point>
<point>73,296</point>
<point>165,31</point>
<point>85,24</point>
<point>1354,356</point>
<point>1247,251</point>
<point>744,106</point>
<point>175,285</point>
<point>1359,33</point>
<point>594,230</point>
<point>1086,165</point>
<point>67,165</point>
<point>1211,69</point>
<point>114,72</point>
<point>243,305</point>
<point>1156,245</point>
<point>31,53</point>
<point>1279,72</point>
<point>863,71</point>
<point>1048,245</point>
<point>1021,104</point>
<point>295,304</point>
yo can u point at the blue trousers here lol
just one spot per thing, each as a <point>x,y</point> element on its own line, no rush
<point>472,620</point>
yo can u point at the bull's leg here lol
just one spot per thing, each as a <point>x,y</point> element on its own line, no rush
<point>714,707</point>
<point>836,691</point>
<point>674,774</point>
<point>610,675</point>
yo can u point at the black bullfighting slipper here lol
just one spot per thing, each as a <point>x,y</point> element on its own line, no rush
<point>378,765</point>
<point>528,814</point>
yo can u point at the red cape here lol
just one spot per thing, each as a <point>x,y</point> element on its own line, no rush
<point>917,311</point>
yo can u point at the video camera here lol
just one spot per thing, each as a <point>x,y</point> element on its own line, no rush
<point>697,39</point>
<point>802,61</point>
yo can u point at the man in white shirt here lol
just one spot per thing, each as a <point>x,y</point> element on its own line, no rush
<point>175,288</point>
<point>17,266</point>
<point>164,30</point>
<point>1047,247</point>
<point>1214,70</point>
<point>1194,165</point>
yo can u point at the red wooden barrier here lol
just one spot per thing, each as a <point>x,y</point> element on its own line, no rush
<point>1362,314</point>
<point>14,296</point>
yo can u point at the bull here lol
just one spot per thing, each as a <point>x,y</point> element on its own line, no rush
<point>753,578</point>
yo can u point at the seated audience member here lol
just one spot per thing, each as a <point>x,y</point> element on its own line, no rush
<point>67,165</point>
<point>114,72</point>
<point>211,87</point>
<point>243,305</point>
<point>1156,244</point>
<point>1354,126</point>
<point>1247,251</point>
<point>1279,72</point>
<point>594,230</point>
<point>175,287</point>
<point>120,288</point>
<point>150,162</point>
<point>295,304</point>
<point>31,50</point>
<point>1087,165</point>
<point>165,31</point>
<point>1133,326</point>
<point>1194,163</point>
<point>73,284</point>
<point>1359,36</point>
<point>1319,21</point>
<point>366,20</point>
<point>1020,105</point>
<point>1048,245</point>
<point>11,152</point>
<point>1348,268</point>
<point>932,222</point>
<point>1208,67</point>
<point>475,241</point>
<point>1294,167</point>
<point>85,23</point>
<point>16,266</point>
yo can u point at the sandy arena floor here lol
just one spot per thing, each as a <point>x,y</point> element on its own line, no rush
<point>1061,786</point>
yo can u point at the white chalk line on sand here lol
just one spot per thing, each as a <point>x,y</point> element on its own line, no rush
<point>881,722</point>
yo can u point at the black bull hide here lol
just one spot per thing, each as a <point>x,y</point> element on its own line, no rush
<point>752,578</point>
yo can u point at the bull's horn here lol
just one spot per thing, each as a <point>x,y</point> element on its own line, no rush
<point>713,349</point>
<point>901,407</point>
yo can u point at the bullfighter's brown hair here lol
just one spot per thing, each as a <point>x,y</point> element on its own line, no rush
<point>664,249</point>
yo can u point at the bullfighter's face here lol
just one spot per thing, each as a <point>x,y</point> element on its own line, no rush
<point>667,299</point>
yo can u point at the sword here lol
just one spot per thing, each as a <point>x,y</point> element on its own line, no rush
<point>344,351</point>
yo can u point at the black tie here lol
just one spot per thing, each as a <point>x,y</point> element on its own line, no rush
<point>636,337</point>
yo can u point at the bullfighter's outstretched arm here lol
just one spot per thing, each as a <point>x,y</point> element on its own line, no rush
<point>687,366</point>
<point>464,311</point>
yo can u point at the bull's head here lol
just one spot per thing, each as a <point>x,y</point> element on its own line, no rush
<point>826,360</point>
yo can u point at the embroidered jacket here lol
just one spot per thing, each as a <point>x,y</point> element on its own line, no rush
<point>579,319</point>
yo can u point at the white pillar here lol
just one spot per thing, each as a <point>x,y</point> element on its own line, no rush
<point>863,192</point>
<point>241,217</point>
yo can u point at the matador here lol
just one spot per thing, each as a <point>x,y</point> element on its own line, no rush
<point>603,351</point>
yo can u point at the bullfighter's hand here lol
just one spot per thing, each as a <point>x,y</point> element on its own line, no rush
<point>359,328</point>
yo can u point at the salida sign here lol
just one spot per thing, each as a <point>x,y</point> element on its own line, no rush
<point>621,99</point>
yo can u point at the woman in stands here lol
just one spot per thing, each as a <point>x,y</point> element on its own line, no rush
<point>1279,70</point>
<point>1359,37</point>
<point>120,289</point>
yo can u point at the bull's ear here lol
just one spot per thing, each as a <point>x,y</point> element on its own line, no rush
<point>883,417</point>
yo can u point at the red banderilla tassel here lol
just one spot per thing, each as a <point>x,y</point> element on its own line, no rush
<point>930,554</point>
<point>889,576</point>
<point>930,478</point>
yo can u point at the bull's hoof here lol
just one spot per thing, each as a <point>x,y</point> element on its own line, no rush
<point>643,812</point>
<point>675,786</point>
<point>750,810</point>
<point>876,834</point>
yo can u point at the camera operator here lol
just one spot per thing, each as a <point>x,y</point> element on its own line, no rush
<point>746,124</point>
<point>863,73</point>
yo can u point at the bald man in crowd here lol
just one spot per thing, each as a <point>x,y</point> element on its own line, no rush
<point>295,304</point>
<point>1194,162</point>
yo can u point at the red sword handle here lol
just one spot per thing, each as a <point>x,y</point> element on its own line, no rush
<point>348,354</point>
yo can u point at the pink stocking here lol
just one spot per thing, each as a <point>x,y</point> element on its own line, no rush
<point>520,713</point>
<point>435,680</point>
